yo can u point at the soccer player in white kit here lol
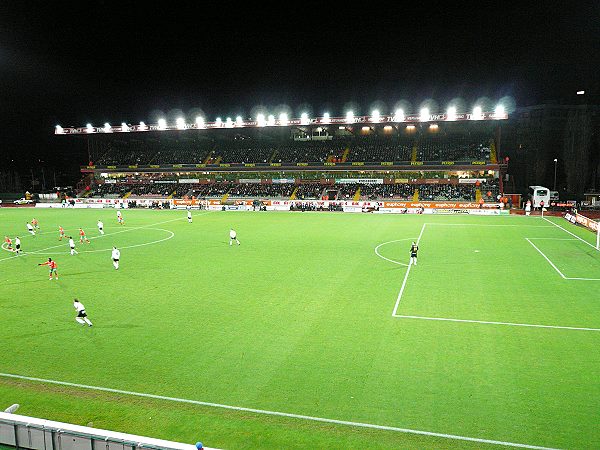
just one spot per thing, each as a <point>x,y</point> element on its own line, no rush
<point>120,218</point>
<point>17,245</point>
<point>30,229</point>
<point>189,214</point>
<point>116,255</point>
<point>72,246</point>
<point>100,227</point>
<point>81,314</point>
<point>233,237</point>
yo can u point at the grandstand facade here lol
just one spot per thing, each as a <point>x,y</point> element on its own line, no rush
<point>435,160</point>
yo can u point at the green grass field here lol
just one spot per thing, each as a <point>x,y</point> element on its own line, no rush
<point>299,319</point>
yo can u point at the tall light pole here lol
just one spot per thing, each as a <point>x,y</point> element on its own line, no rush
<point>555,162</point>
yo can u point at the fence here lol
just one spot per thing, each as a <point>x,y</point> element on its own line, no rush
<point>39,434</point>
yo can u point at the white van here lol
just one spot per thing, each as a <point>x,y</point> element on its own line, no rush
<point>537,194</point>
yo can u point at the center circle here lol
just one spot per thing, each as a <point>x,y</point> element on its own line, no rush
<point>390,242</point>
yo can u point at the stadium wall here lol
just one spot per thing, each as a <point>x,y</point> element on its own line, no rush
<point>392,207</point>
<point>40,434</point>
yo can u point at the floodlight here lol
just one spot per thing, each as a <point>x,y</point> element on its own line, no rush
<point>326,118</point>
<point>580,92</point>
<point>499,111</point>
<point>350,117</point>
<point>304,119</point>
<point>200,122</point>
<point>451,115</point>
<point>366,128</point>
<point>271,120</point>
<point>283,119</point>
<point>219,122</point>
<point>375,116</point>
<point>260,120</point>
<point>162,124</point>
<point>180,123</point>
<point>59,129</point>
<point>143,126</point>
<point>239,122</point>
<point>229,122</point>
<point>89,128</point>
<point>433,126</point>
<point>399,115</point>
<point>424,115</point>
<point>476,113</point>
<point>107,128</point>
<point>124,127</point>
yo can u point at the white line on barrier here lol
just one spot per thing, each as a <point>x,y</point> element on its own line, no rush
<point>490,322</point>
<point>280,414</point>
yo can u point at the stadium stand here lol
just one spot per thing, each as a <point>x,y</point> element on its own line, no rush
<point>440,146</point>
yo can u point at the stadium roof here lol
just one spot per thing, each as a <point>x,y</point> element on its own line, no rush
<point>283,121</point>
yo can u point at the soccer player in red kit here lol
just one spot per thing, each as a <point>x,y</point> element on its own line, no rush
<point>82,236</point>
<point>61,233</point>
<point>35,223</point>
<point>52,266</point>
<point>8,243</point>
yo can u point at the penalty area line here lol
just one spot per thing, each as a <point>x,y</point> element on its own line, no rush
<point>489,322</point>
<point>279,413</point>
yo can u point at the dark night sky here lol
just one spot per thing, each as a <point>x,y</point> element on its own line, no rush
<point>70,63</point>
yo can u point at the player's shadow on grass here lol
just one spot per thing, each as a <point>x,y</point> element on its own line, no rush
<point>118,325</point>
<point>41,333</point>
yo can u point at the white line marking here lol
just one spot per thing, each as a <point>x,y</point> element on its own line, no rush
<point>583,279</point>
<point>388,259</point>
<point>406,277</point>
<point>278,413</point>
<point>574,235</point>
<point>486,225</point>
<point>546,258</point>
<point>171,235</point>
<point>551,239</point>
<point>512,324</point>
<point>110,234</point>
<point>556,268</point>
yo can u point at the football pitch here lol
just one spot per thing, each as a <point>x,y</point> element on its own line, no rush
<point>313,333</point>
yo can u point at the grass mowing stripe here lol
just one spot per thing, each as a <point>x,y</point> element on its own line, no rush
<point>278,413</point>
